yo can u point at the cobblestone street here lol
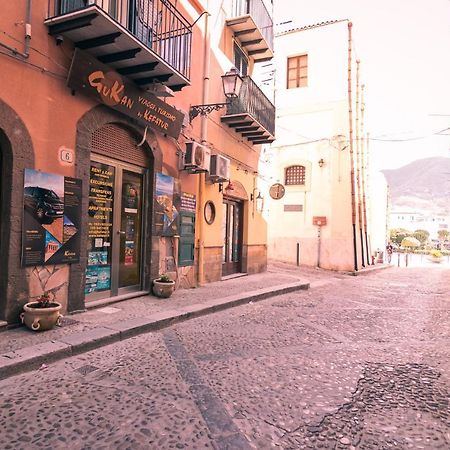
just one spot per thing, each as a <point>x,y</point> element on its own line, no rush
<point>352,363</point>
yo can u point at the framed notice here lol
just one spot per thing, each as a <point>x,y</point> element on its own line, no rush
<point>51,220</point>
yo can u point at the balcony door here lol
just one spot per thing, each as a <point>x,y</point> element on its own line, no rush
<point>115,228</point>
<point>232,232</point>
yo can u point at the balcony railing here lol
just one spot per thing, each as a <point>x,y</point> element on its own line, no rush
<point>260,15</point>
<point>155,23</point>
<point>252,102</point>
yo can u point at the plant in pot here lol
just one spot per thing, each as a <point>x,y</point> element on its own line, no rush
<point>43,313</point>
<point>435,256</point>
<point>163,286</point>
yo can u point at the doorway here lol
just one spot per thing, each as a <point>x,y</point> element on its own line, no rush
<point>115,228</point>
<point>232,232</point>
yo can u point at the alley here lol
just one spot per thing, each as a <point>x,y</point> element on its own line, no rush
<point>354,362</point>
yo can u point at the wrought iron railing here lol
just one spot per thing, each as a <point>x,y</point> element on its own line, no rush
<point>252,101</point>
<point>156,23</point>
<point>257,9</point>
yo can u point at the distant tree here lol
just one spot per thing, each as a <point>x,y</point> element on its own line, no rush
<point>443,235</point>
<point>396,235</point>
<point>422,236</point>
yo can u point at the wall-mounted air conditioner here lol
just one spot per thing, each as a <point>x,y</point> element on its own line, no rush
<point>219,169</point>
<point>197,157</point>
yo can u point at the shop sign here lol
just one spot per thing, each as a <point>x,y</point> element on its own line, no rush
<point>52,219</point>
<point>319,221</point>
<point>166,213</point>
<point>97,80</point>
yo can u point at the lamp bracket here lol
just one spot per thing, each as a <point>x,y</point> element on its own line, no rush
<point>204,110</point>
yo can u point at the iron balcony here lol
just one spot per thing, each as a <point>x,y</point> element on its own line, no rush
<point>147,40</point>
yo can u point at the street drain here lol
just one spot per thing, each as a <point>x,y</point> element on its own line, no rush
<point>66,322</point>
<point>84,370</point>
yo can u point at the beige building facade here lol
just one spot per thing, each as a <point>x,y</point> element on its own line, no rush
<point>324,214</point>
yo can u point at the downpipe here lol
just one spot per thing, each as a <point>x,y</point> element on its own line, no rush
<point>26,52</point>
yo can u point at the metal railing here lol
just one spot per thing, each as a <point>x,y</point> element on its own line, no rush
<point>156,23</point>
<point>257,9</point>
<point>252,101</point>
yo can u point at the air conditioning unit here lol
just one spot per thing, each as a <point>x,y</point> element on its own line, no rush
<point>197,157</point>
<point>219,169</point>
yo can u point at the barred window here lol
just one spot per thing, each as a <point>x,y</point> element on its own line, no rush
<point>295,175</point>
<point>297,71</point>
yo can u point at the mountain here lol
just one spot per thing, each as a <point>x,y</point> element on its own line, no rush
<point>421,185</point>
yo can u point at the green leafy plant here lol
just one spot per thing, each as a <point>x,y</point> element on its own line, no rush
<point>165,279</point>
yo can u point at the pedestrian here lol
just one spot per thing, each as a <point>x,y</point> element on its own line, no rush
<point>389,250</point>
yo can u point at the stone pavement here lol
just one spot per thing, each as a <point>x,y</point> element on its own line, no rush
<point>22,349</point>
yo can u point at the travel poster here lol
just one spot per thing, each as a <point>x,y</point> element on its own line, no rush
<point>166,214</point>
<point>52,219</point>
<point>100,222</point>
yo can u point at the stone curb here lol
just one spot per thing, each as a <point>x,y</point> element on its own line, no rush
<point>367,270</point>
<point>31,358</point>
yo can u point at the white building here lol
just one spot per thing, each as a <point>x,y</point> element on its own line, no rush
<point>320,155</point>
<point>419,220</point>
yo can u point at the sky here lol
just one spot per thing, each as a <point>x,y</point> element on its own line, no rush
<point>404,48</point>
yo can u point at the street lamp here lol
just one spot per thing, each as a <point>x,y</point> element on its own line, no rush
<point>231,83</point>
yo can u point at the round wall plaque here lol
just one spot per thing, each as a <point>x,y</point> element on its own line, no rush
<point>210,212</point>
<point>276,191</point>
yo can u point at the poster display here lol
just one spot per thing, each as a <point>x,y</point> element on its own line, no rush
<point>100,222</point>
<point>166,214</point>
<point>52,219</point>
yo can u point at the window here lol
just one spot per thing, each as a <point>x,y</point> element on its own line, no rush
<point>240,60</point>
<point>295,175</point>
<point>297,71</point>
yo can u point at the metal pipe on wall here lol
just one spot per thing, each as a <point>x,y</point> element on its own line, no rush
<point>352,168</point>
<point>26,52</point>
<point>363,171</point>
<point>358,160</point>
<point>203,138</point>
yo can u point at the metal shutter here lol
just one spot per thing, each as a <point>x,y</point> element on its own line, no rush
<point>116,142</point>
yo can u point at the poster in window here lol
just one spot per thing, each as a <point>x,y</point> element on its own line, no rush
<point>166,214</point>
<point>52,219</point>
<point>100,222</point>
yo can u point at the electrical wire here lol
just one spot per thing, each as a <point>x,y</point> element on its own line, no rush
<point>36,66</point>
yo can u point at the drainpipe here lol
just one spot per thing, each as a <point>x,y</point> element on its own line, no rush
<point>358,161</point>
<point>352,167</point>
<point>203,138</point>
<point>363,169</point>
<point>26,52</point>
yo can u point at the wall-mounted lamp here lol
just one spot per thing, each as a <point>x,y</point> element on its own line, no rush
<point>230,187</point>
<point>232,83</point>
<point>321,162</point>
<point>259,200</point>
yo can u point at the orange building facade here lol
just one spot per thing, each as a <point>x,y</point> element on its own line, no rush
<point>120,156</point>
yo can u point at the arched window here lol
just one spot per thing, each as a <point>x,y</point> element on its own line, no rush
<point>295,175</point>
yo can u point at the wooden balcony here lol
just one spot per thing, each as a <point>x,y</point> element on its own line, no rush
<point>252,26</point>
<point>148,41</point>
<point>251,114</point>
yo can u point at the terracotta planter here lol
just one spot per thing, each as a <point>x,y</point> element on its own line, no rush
<point>41,319</point>
<point>163,289</point>
<point>435,259</point>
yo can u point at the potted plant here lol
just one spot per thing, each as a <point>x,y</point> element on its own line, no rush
<point>435,256</point>
<point>163,286</point>
<point>42,314</point>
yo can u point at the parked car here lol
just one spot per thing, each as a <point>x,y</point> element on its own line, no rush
<point>43,203</point>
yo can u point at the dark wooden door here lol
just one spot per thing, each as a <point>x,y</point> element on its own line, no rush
<point>232,222</point>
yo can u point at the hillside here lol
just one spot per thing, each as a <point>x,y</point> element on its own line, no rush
<point>423,184</point>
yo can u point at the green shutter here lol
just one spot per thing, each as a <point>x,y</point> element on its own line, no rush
<point>187,239</point>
